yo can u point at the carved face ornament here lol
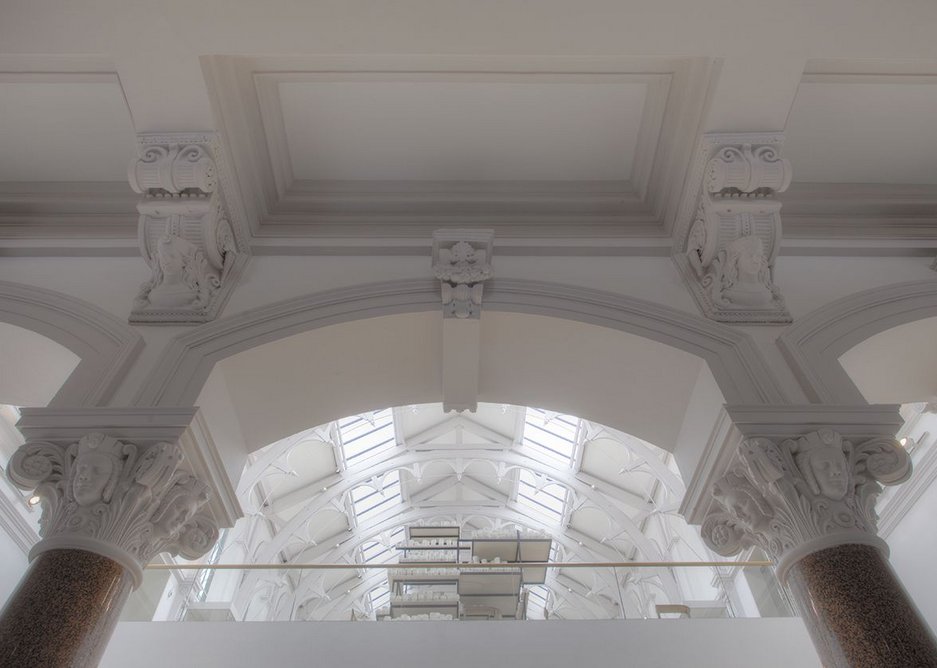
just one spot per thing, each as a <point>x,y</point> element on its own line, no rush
<point>93,470</point>
<point>828,466</point>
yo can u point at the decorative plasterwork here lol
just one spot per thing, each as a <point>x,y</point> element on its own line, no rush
<point>802,495</point>
<point>297,216</point>
<point>735,361</point>
<point>462,263</point>
<point>727,253</point>
<point>144,427</point>
<point>184,230</point>
<point>124,501</point>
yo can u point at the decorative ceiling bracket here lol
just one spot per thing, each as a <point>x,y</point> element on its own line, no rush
<point>184,229</point>
<point>462,263</point>
<point>731,233</point>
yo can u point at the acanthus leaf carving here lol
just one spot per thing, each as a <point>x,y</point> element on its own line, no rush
<point>126,501</point>
<point>813,491</point>
<point>733,241</point>
<point>184,230</point>
<point>462,262</point>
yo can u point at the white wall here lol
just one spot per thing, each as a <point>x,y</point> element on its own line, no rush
<point>913,546</point>
<point>702,643</point>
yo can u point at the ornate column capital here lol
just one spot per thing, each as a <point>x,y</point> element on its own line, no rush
<point>184,231</point>
<point>727,250</point>
<point>802,495</point>
<point>124,501</point>
<point>462,262</point>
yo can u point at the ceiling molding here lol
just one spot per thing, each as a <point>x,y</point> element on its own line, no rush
<point>816,341</point>
<point>740,370</point>
<point>245,98</point>
<point>107,346</point>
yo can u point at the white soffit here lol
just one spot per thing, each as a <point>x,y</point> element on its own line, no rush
<point>32,367</point>
<point>64,127</point>
<point>897,365</point>
<point>849,128</point>
<point>463,128</point>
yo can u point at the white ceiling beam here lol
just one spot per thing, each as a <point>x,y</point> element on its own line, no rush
<point>461,355</point>
<point>425,439</point>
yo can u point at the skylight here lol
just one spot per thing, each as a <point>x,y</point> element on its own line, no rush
<point>368,501</point>
<point>551,434</point>
<point>382,551</point>
<point>549,499</point>
<point>366,435</point>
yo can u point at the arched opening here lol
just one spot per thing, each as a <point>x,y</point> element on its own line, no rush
<point>898,365</point>
<point>353,491</point>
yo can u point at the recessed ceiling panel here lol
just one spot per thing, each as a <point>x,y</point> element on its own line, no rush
<point>462,130</point>
<point>64,131</point>
<point>873,132</point>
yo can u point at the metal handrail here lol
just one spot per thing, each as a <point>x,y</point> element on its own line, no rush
<point>460,565</point>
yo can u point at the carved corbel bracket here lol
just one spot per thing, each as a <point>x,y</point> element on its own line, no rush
<point>462,262</point>
<point>184,230</point>
<point>727,249</point>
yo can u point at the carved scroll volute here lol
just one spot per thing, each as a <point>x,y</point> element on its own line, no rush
<point>117,499</point>
<point>173,168</point>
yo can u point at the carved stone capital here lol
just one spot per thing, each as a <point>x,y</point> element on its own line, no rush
<point>728,251</point>
<point>802,495</point>
<point>123,501</point>
<point>184,230</point>
<point>462,262</point>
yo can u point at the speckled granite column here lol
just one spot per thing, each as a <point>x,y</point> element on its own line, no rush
<point>64,611</point>
<point>108,507</point>
<point>858,613</point>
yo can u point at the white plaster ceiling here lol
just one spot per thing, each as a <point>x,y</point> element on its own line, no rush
<point>432,130</point>
<point>863,130</point>
<point>70,129</point>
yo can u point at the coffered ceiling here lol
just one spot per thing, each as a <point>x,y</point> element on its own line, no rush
<point>338,147</point>
<point>567,126</point>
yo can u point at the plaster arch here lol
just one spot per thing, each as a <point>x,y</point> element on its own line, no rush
<point>814,344</point>
<point>732,357</point>
<point>104,345</point>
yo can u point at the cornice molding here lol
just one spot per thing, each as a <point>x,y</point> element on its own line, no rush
<point>107,346</point>
<point>735,361</point>
<point>814,344</point>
